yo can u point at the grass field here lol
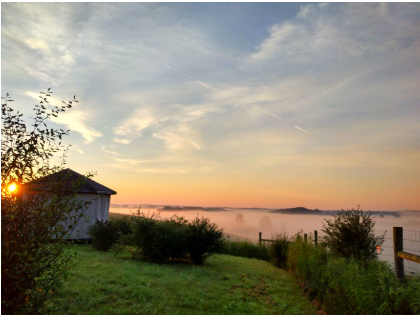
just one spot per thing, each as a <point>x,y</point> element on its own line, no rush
<point>102,283</point>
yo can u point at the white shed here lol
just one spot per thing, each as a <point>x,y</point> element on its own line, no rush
<point>97,194</point>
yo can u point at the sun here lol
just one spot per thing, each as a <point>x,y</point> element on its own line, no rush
<point>12,187</point>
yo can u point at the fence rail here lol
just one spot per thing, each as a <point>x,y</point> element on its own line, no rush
<point>408,239</point>
<point>260,239</point>
<point>408,256</point>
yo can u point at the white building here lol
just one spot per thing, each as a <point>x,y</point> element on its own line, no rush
<point>89,190</point>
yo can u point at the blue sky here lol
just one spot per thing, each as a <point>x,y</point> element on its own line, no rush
<point>238,104</point>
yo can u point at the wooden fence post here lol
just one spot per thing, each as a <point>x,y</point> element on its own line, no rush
<point>316,237</point>
<point>260,239</point>
<point>305,237</point>
<point>398,247</point>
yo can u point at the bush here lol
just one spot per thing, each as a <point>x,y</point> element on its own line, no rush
<point>351,235</point>
<point>403,299</point>
<point>123,224</point>
<point>367,289</point>
<point>104,235</point>
<point>246,249</point>
<point>347,286</point>
<point>156,240</point>
<point>159,240</point>
<point>204,239</point>
<point>278,249</point>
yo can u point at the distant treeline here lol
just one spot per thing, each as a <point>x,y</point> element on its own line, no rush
<point>171,208</point>
<point>296,210</point>
<point>303,210</point>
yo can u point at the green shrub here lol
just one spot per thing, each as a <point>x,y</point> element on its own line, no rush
<point>355,288</point>
<point>403,299</point>
<point>104,235</point>
<point>246,249</point>
<point>159,240</point>
<point>204,239</point>
<point>153,239</point>
<point>350,234</point>
<point>349,286</point>
<point>123,224</point>
<point>278,249</point>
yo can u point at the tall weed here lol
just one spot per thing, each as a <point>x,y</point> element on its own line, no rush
<point>278,249</point>
<point>349,286</point>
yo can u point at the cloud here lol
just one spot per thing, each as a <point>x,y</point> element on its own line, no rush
<point>49,35</point>
<point>266,112</point>
<point>133,126</point>
<point>74,119</point>
<point>173,170</point>
<point>37,44</point>
<point>103,148</point>
<point>130,161</point>
<point>111,152</point>
<point>80,151</point>
<point>178,138</point>
<point>78,121</point>
<point>303,130</point>
<point>206,85</point>
<point>279,34</point>
<point>318,35</point>
<point>121,140</point>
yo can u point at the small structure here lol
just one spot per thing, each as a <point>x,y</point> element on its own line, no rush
<point>98,195</point>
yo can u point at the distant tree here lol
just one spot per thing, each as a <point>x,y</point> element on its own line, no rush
<point>35,223</point>
<point>351,234</point>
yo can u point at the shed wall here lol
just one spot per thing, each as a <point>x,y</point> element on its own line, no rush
<point>97,210</point>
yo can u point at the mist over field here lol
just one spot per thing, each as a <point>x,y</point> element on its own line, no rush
<point>246,223</point>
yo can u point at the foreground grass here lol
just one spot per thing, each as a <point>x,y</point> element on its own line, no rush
<point>102,283</point>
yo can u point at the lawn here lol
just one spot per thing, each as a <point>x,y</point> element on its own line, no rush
<point>102,283</point>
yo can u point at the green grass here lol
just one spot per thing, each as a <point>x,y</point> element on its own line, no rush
<point>102,283</point>
<point>246,249</point>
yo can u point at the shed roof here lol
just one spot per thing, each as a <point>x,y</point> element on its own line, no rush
<point>69,176</point>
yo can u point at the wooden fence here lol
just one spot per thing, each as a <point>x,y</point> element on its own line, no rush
<point>305,236</point>
<point>399,254</point>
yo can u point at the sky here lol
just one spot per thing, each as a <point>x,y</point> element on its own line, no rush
<point>238,105</point>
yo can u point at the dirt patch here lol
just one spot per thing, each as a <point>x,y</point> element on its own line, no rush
<point>256,291</point>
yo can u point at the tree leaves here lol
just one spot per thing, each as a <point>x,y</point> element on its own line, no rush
<point>31,264</point>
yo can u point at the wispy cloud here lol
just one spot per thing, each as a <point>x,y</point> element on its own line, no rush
<point>190,77</point>
<point>178,138</point>
<point>103,148</point>
<point>162,170</point>
<point>266,112</point>
<point>303,130</point>
<point>75,119</point>
<point>130,161</point>
<point>121,140</point>
<point>133,126</point>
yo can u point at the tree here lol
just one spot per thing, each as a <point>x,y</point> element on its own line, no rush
<point>351,234</point>
<point>36,220</point>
